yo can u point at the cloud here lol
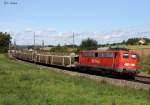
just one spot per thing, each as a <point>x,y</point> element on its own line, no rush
<point>7,29</point>
<point>39,33</point>
<point>51,30</point>
<point>53,36</point>
<point>28,29</point>
<point>56,37</point>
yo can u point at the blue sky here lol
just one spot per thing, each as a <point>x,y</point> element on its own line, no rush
<point>53,21</point>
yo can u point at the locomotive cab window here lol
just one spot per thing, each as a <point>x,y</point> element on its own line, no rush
<point>108,54</point>
<point>100,54</point>
<point>88,54</point>
<point>126,55</point>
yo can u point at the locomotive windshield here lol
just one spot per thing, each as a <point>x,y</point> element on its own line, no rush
<point>126,55</point>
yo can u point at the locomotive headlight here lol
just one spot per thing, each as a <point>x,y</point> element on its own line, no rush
<point>126,64</point>
<point>132,64</point>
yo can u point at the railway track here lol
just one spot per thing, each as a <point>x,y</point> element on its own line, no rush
<point>142,79</point>
<point>140,82</point>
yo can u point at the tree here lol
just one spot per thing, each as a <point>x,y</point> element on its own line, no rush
<point>123,42</point>
<point>4,42</point>
<point>59,49</point>
<point>88,44</point>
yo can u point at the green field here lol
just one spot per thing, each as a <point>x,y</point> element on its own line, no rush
<point>137,47</point>
<point>25,84</point>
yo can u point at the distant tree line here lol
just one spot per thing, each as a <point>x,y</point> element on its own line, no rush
<point>4,42</point>
<point>130,41</point>
<point>91,44</point>
<point>59,48</point>
<point>86,44</point>
<point>135,41</point>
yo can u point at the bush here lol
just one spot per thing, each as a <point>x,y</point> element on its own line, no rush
<point>4,42</point>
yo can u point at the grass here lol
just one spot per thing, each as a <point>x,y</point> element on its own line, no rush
<point>25,84</point>
<point>137,47</point>
<point>145,64</point>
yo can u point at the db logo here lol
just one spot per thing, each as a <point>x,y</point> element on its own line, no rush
<point>95,61</point>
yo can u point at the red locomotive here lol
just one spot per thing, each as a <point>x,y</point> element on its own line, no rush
<point>111,60</point>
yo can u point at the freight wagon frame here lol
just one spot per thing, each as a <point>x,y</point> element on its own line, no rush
<point>59,60</point>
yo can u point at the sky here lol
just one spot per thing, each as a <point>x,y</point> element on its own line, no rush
<point>54,21</point>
